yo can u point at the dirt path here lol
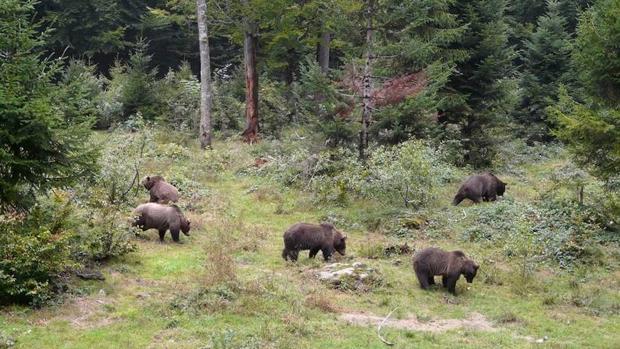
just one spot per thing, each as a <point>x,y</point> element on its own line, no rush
<point>475,321</point>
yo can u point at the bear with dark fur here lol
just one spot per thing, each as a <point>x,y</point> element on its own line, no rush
<point>162,218</point>
<point>450,265</point>
<point>303,236</point>
<point>476,188</point>
<point>161,191</point>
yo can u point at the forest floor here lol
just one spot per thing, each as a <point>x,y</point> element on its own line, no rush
<point>226,286</point>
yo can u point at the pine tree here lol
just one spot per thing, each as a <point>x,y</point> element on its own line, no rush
<point>418,39</point>
<point>597,53</point>
<point>40,146</point>
<point>478,93</point>
<point>546,65</point>
<point>592,129</point>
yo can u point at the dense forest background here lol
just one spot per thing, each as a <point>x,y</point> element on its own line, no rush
<point>384,102</point>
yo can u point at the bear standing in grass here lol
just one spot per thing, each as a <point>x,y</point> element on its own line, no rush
<point>476,188</point>
<point>161,191</point>
<point>303,236</point>
<point>450,265</point>
<point>162,218</point>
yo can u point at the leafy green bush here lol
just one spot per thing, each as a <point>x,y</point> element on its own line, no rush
<point>228,109</point>
<point>104,234</point>
<point>408,174</point>
<point>34,252</point>
<point>561,231</point>
<point>179,93</point>
<point>120,164</point>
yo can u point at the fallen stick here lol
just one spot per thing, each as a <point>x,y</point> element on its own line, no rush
<point>381,325</point>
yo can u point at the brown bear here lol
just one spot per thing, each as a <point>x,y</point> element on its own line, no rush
<point>450,265</point>
<point>162,218</point>
<point>161,191</point>
<point>480,187</point>
<point>303,236</point>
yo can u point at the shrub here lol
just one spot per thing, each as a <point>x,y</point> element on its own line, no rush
<point>120,164</point>
<point>105,234</point>
<point>228,110</point>
<point>179,93</point>
<point>408,174</point>
<point>34,251</point>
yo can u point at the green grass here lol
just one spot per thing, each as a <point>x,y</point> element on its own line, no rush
<point>152,298</point>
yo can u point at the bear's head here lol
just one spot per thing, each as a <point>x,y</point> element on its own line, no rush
<point>185,225</point>
<point>340,240</point>
<point>501,188</point>
<point>149,181</point>
<point>469,270</point>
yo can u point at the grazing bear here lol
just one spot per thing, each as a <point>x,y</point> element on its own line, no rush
<point>480,187</point>
<point>162,218</point>
<point>303,236</point>
<point>161,191</point>
<point>450,265</point>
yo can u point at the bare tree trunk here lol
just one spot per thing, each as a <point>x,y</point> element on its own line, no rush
<point>324,52</point>
<point>205,75</point>
<point>367,83</point>
<point>250,134</point>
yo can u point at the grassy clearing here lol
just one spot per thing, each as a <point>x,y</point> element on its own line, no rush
<point>167,295</point>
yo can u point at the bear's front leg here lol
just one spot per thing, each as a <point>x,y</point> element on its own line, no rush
<point>175,235</point>
<point>162,233</point>
<point>313,252</point>
<point>327,253</point>
<point>451,283</point>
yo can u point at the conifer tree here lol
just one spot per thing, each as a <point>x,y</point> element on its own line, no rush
<point>40,146</point>
<point>478,93</point>
<point>592,129</point>
<point>546,65</point>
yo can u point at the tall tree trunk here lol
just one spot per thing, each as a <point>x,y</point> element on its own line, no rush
<point>250,134</point>
<point>324,51</point>
<point>205,75</point>
<point>367,83</point>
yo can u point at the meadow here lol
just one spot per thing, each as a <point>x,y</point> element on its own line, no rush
<point>226,286</point>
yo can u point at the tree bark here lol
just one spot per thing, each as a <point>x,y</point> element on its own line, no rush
<point>367,83</point>
<point>324,52</point>
<point>250,134</point>
<point>205,75</point>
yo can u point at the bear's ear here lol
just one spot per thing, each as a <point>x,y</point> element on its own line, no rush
<point>344,238</point>
<point>148,178</point>
<point>476,266</point>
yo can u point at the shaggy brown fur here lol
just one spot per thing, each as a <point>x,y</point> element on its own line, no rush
<point>450,265</point>
<point>480,187</point>
<point>161,191</point>
<point>303,236</point>
<point>162,218</point>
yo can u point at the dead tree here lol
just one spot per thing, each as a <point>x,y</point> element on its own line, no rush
<point>250,134</point>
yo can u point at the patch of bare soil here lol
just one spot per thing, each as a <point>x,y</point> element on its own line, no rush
<point>88,313</point>
<point>475,321</point>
